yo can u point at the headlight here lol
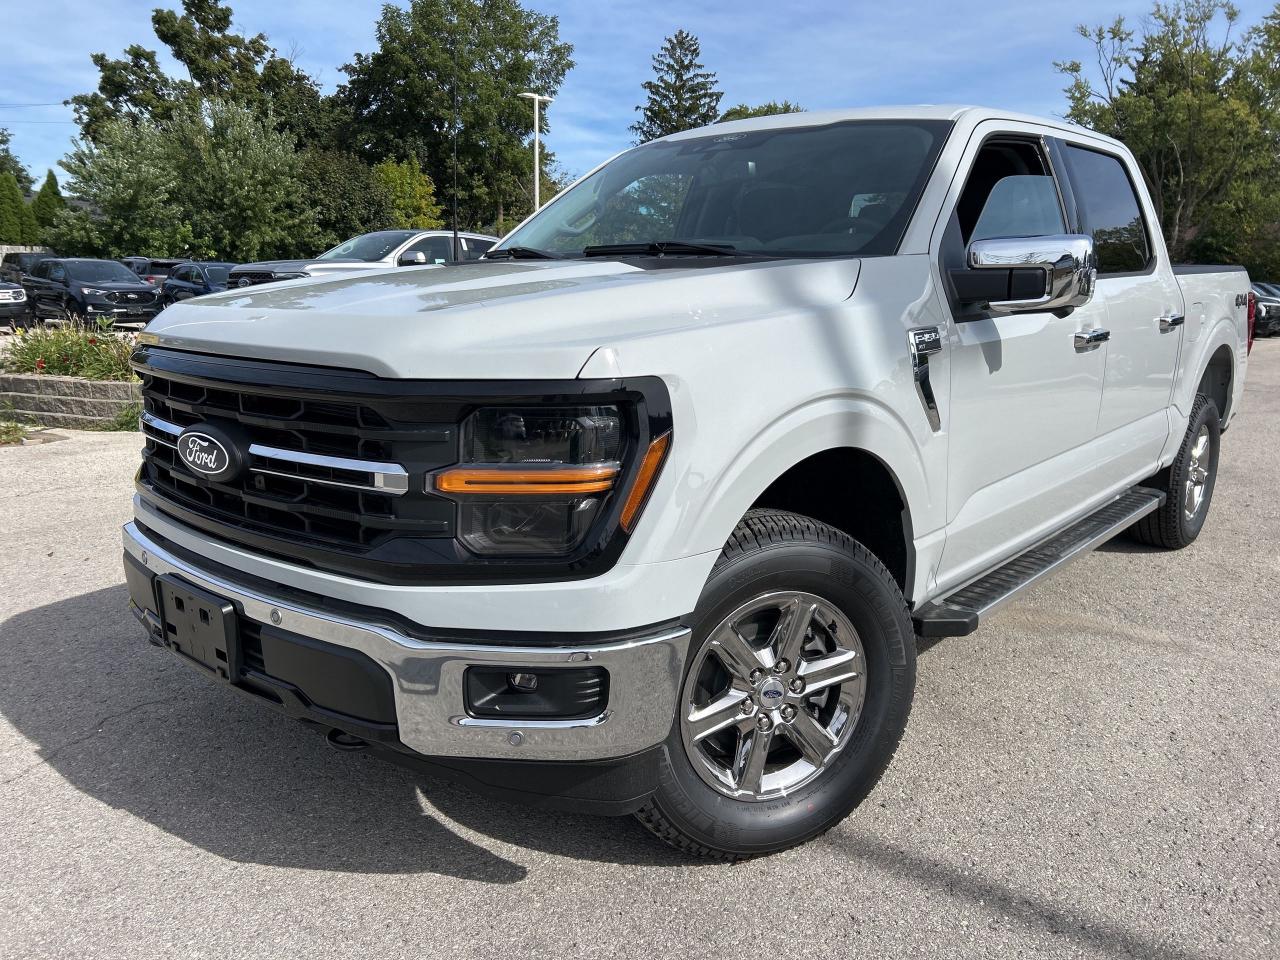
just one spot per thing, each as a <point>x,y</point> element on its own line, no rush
<point>533,481</point>
<point>17,295</point>
<point>93,292</point>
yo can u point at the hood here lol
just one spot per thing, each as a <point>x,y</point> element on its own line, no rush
<point>491,320</point>
<point>123,286</point>
<point>271,266</point>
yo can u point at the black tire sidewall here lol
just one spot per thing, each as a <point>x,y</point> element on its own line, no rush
<point>874,606</point>
<point>1205,414</point>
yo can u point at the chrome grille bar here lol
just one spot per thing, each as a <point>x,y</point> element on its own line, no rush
<point>388,478</point>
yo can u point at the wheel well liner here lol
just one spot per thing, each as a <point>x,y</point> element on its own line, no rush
<point>1216,382</point>
<point>855,492</point>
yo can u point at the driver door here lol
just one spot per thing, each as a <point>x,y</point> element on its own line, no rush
<point>1025,390</point>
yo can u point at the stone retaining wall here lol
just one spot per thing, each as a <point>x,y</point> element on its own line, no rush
<point>65,401</point>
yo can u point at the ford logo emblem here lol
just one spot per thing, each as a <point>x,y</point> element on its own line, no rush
<point>772,691</point>
<point>210,452</point>
<point>244,282</point>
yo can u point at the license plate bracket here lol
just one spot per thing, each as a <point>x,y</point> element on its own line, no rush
<point>200,627</point>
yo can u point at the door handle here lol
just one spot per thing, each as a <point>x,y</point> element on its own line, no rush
<point>1091,338</point>
<point>1169,323</point>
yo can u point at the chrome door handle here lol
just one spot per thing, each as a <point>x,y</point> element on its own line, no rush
<point>1169,323</point>
<point>1091,338</point>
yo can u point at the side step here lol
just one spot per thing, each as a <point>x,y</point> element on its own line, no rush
<point>959,612</point>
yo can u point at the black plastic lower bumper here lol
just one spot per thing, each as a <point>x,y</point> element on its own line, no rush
<point>330,688</point>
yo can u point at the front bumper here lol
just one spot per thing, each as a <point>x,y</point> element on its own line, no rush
<point>426,675</point>
<point>118,314</point>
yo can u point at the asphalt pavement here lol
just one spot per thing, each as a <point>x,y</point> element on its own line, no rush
<point>1093,774</point>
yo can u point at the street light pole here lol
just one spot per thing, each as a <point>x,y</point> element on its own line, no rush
<point>538,101</point>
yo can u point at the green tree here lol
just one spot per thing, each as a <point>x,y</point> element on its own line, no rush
<point>11,164</point>
<point>413,195</point>
<point>744,112</point>
<point>11,204</point>
<point>345,195</point>
<point>219,64</point>
<point>1197,109</point>
<point>48,201</point>
<point>217,181</point>
<point>682,96</point>
<point>475,56</point>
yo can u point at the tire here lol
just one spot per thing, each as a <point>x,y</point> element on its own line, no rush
<point>813,574</point>
<point>1176,525</point>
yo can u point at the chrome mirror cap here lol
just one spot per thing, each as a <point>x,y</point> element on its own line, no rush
<point>1068,262</point>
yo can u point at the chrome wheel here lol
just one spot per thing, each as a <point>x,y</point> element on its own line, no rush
<point>773,696</point>
<point>1197,474</point>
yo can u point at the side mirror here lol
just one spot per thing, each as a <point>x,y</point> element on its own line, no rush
<point>1029,274</point>
<point>416,258</point>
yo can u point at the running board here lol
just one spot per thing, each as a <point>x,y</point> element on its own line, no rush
<point>959,612</point>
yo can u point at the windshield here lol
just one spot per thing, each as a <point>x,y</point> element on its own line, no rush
<point>369,248</point>
<point>100,271</point>
<point>217,274</point>
<point>836,190</point>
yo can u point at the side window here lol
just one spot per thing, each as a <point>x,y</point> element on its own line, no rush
<point>1110,210</point>
<point>1010,193</point>
<point>476,248</point>
<point>57,272</point>
<point>436,248</point>
<point>40,268</point>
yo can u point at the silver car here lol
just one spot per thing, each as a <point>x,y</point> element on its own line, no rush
<point>370,251</point>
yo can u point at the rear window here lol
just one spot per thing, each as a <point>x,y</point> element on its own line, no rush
<point>1110,209</point>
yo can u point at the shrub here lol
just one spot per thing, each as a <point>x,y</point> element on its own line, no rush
<point>70,351</point>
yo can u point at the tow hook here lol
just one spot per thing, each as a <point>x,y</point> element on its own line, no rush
<point>345,742</point>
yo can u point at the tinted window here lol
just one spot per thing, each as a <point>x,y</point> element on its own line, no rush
<point>834,190</point>
<point>99,271</point>
<point>217,274</point>
<point>368,248</point>
<point>436,248</point>
<point>1110,210</point>
<point>474,249</point>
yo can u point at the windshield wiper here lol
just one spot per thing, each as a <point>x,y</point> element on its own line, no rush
<point>662,248</point>
<point>521,253</point>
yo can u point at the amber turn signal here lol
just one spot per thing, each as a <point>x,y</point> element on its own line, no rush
<point>649,468</point>
<point>593,478</point>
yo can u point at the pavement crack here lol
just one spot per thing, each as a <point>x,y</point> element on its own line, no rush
<point>46,757</point>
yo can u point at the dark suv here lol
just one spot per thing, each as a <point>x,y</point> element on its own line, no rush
<point>193,279</point>
<point>15,266</point>
<point>89,290</point>
<point>152,271</point>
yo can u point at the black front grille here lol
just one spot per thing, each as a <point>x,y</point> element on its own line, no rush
<point>252,276</point>
<point>132,298</point>
<point>298,503</point>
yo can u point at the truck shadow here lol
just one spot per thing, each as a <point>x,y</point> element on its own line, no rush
<point>129,725</point>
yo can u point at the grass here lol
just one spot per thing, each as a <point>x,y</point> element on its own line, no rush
<point>126,419</point>
<point>70,351</point>
<point>11,432</point>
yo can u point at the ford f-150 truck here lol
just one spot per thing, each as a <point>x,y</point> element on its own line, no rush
<point>643,512</point>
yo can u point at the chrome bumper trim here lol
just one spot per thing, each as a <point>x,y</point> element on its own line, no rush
<point>427,676</point>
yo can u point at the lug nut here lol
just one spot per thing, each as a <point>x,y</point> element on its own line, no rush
<point>757,675</point>
<point>764,723</point>
<point>781,666</point>
<point>788,713</point>
<point>797,685</point>
<point>747,706</point>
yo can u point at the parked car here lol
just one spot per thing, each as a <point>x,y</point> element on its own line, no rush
<point>82,290</point>
<point>194,279</point>
<point>370,251</point>
<point>14,309</point>
<point>14,267</point>
<point>1267,323</point>
<point>648,522</point>
<point>152,271</point>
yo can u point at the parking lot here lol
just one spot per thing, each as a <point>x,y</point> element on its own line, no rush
<point>1093,774</point>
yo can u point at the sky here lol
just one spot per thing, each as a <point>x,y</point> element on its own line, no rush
<point>818,53</point>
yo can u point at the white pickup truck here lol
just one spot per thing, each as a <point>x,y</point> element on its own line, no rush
<point>643,512</point>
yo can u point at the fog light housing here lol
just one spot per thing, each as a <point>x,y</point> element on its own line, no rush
<point>519,693</point>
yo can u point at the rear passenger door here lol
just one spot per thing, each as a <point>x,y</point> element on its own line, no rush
<point>1144,309</point>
